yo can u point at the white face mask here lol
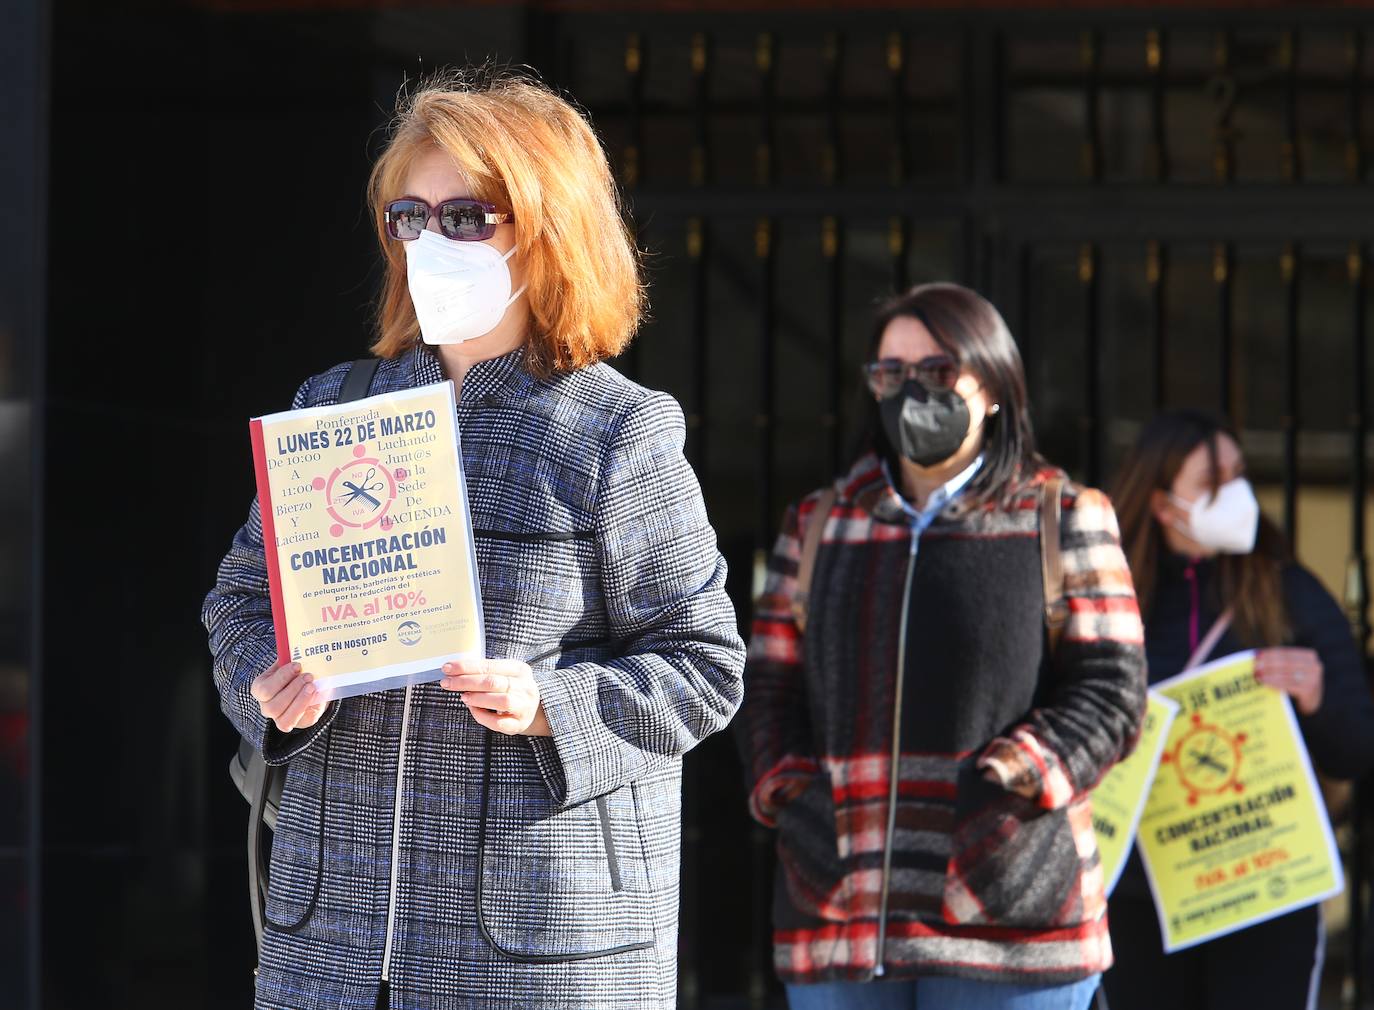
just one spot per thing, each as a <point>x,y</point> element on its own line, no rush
<point>1228,522</point>
<point>460,290</point>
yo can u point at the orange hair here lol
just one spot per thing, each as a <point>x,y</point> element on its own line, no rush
<point>526,150</point>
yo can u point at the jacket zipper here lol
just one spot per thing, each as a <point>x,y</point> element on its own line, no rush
<point>880,968</point>
<point>395,842</point>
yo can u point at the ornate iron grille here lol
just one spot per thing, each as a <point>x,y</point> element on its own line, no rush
<point>1169,209</point>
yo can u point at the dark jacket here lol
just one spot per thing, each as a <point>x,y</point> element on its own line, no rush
<point>1339,735</point>
<point>986,881</point>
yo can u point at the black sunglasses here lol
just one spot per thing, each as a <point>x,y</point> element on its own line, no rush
<point>459,220</point>
<point>885,377</point>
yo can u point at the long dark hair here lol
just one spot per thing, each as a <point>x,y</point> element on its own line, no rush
<point>1249,583</point>
<point>972,332</point>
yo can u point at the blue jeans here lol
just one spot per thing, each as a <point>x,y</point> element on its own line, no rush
<point>940,993</point>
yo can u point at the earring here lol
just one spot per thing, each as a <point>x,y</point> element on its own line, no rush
<point>996,408</point>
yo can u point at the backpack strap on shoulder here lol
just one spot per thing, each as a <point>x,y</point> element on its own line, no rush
<point>359,379</point>
<point>1052,561</point>
<point>811,546</point>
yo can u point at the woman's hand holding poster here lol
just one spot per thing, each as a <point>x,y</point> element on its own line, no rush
<point>1234,830</point>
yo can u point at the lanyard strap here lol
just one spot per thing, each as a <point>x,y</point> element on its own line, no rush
<point>1205,647</point>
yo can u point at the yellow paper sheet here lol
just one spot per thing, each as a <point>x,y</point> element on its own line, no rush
<point>368,539</point>
<point>1234,831</point>
<point>1119,799</point>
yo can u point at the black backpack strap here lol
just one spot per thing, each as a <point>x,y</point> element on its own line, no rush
<point>256,783</point>
<point>259,782</point>
<point>359,379</point>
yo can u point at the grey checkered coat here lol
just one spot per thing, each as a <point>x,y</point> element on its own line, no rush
<point>530,872</point>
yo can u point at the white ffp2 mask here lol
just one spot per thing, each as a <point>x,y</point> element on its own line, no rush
<point>460,290</point>
<point>1228,522</point>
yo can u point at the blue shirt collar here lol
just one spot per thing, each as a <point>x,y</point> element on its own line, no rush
<point>940,497</point>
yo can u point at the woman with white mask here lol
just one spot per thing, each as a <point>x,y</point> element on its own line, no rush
<point>509,835</point>
<point>1204,557</point>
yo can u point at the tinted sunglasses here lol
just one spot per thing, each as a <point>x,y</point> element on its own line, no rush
<point>938,373</point>
<point>459,220</point>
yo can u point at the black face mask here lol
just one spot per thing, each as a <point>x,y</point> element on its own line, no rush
<point>925,426</point>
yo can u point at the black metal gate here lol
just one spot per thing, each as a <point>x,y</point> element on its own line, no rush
<point>1170,208</point>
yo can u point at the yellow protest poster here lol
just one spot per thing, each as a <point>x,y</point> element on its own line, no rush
<point>365,524</point>
<point>1119,799</point>
<point>1234,831</point>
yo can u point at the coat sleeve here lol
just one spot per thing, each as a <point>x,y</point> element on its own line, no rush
<point>1096,703</point>
<point>238,616</point>
<point>1340,734</point>
<point>677,678</point>
<point>774,730</point>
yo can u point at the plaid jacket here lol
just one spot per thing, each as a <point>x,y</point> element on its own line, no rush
<point>528,872</point>
<point>994,881</point>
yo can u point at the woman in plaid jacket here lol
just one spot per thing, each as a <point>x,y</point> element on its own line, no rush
<point>507,836</point>
<point>924,754</point>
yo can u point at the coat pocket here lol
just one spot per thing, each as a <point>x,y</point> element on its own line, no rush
<point>297,863</point>
<point>1012,863</point>
<point>808,851</point>
<point>560,884</point>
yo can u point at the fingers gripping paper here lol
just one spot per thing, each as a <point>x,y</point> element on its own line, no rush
<point>368,538</point>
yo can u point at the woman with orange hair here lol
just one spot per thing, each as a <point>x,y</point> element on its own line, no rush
<point>509,834</point>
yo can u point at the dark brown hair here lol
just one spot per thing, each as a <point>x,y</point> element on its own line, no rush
<point>971,331</point>
<point>1249,583</point>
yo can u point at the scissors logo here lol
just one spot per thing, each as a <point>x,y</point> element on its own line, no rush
<point>361,490</point>
<point>359,494</point>
<point>1207,759</point>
